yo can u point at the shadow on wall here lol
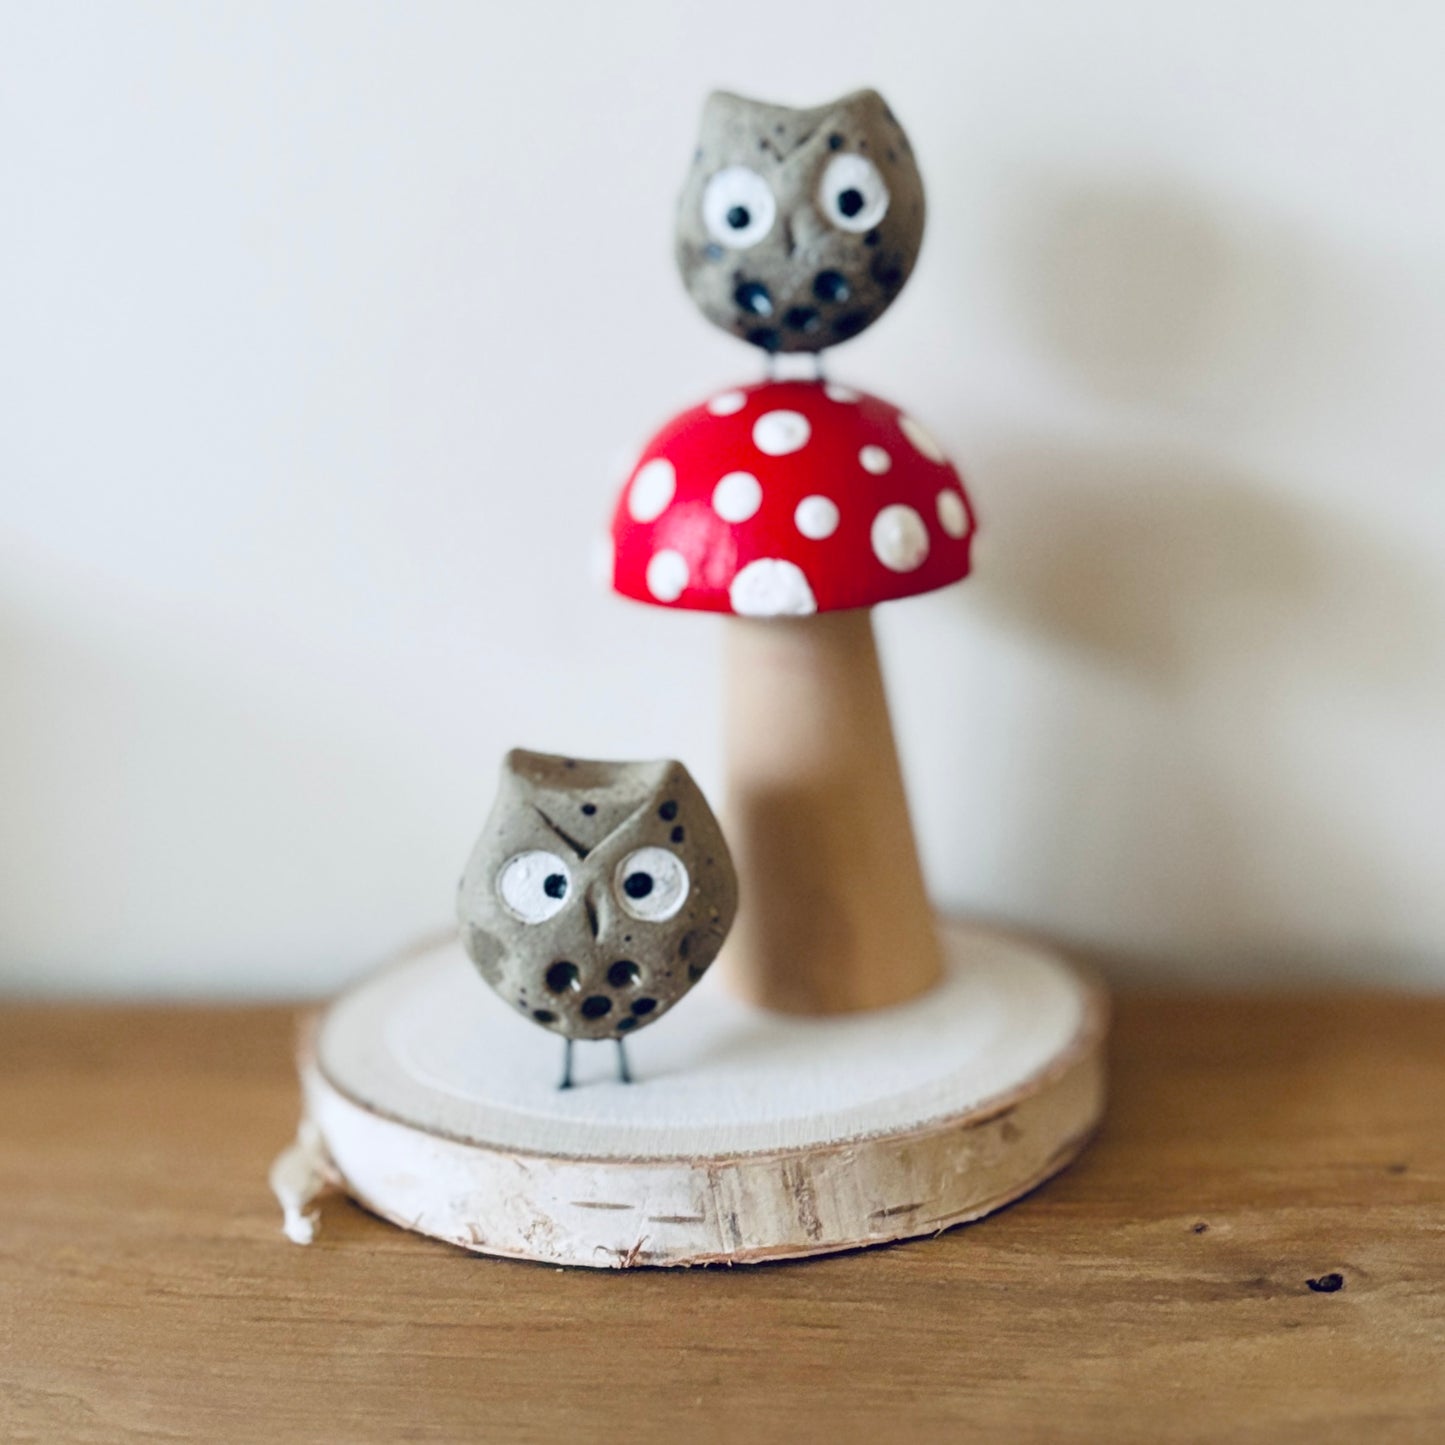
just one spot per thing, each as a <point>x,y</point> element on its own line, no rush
<point>1234,617</point>
<point>1150,299</point>
<point>1176,571</point>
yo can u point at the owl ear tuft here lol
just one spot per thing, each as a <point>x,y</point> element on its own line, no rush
<point>865,102</point>
<point>524,761</point>
<point>721,104</point>
<point>674,777</point>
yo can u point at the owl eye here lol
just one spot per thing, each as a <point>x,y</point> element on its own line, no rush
<point>534,885</point>
<point>651,884</point>
<point>738,208</point>
<point>853,195</point>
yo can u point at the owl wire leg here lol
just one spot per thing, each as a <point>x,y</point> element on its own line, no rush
<point>623,1072</point>
<point>566,1064</point>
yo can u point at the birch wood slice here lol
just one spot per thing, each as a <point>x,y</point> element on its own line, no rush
<point>747,1135</point>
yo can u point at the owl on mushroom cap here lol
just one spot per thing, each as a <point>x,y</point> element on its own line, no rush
<point>797,228</point>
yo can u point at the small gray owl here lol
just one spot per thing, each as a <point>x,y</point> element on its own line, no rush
<point>597,895</point>
<point>797,228</point>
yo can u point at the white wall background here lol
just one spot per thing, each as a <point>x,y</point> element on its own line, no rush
<point>319,325</point>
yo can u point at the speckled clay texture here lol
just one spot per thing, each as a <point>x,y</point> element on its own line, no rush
<point>598,893</point>
<point>797,228</point>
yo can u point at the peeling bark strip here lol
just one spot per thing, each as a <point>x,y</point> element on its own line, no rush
<point>301,1174</point>
<point>633,1256</point>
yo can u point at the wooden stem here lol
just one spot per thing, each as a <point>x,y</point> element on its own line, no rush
<point>833,916</point>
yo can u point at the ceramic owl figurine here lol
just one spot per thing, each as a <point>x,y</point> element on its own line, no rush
<point>597,895</point>
<point>796,229</point>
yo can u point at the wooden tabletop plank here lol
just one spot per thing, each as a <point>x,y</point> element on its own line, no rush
<point>1157,1291</point>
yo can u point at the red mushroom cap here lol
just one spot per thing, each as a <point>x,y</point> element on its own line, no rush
<point>787,498</point>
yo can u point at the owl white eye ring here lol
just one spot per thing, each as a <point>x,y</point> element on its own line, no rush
<point>738,207</point>
<point>651,884</point>
<point>534,886</point>
<point>853,195</point>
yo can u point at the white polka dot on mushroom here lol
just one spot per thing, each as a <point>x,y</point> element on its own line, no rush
<point>667,575</point>
<point>737,496</point>
<point>771,587</point>
<point>952,514</point>
<point>816,517</point>
<point>776,433</point>
<point>843,394</point>
<point>900,539</point>
<point>921,438</point>
<point>875,460</point>
<point>727,402</point>
<point>652,490</point>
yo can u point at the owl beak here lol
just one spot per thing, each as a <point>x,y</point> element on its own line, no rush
<point>591,903</point>
<point>801,230</point>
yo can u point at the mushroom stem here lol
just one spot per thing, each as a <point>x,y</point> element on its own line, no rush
<point>833,914</point>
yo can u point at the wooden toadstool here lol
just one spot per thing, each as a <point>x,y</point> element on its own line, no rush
<point>794,507</point>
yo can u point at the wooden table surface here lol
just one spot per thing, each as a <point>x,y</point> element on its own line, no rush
<point>1159,1290</point>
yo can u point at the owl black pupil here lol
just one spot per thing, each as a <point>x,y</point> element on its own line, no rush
<point>637,885</point>
<point>555,885</point>
<point>850,202</point>
<point>739,217</point>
